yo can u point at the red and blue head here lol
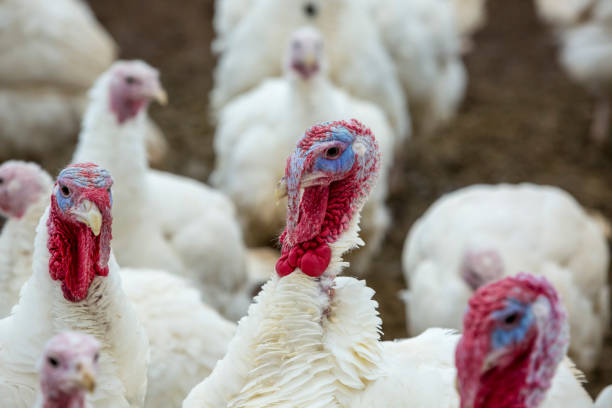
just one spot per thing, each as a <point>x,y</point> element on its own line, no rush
<point>327,180</point>
<point>515,333</point>
<point>80,224</point>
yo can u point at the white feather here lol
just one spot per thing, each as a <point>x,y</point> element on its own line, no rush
<point>536,229</point>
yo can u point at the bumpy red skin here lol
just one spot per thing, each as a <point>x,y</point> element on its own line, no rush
<point>325,211</point>
<point>521,377</point>
<point>77,256</point>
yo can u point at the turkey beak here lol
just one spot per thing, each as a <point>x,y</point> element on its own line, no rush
<point>89,214</point>
<point>85,377</point>
<point>160,95</point>
<point>281,190</point>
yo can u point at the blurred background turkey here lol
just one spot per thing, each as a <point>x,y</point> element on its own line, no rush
<point>457,92</point>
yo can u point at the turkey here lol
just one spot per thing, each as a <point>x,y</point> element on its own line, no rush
<point>68,369</point>
<point>173,315</point>
<point>585,31</point>
<point>75,285</point>
<point>515,335</point>
<point>481,233</point>
<point>24,189</point>
<point>265,123</point>
<point>162,221</point>
<point>425,45</point>
<point>51,54</point>
<point>358,61</point>
<point>311,339</point>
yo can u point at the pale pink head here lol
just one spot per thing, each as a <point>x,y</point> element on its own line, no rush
<point>515,333</point>
<point>305,53</point>
<point>68,369</point>
<point>21,185</point>
<point>132,86</point>
<point>79,227</point>
<point>327,180</point>
<point>481,266</point>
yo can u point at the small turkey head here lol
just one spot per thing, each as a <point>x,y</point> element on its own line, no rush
<point>132,86</point>
<point>327,180</point>
<point>515,333</point>
<point>68,369</point>
<point>21,185</point>
<point>79,227</point>
<point>305,54</point>
<point>480,267</point>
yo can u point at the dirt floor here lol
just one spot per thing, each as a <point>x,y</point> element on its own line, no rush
<point>522,120</point>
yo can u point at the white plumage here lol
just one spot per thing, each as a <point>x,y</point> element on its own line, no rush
<point>358,61</point>
<point>425,44</point>
<point>228,14</point>
<point>17,237</point>
<point>604,399</point>
<point>106,314</point>
<point>481,233</point>
<point>162,220</point>
<point>258,129</point>
<point>186,337</point>
<point>51,54</point>
<point>335,356</point>
<point>585,31</point>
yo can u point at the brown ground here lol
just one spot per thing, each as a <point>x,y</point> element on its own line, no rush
<point>522,121</point>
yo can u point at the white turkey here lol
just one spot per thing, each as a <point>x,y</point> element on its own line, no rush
<point>481,233</point>
<point>358,61</point>
<point>75,286</point>
<point>584,28</point>
<point>162,220</point>
<point>52,52</point>
<point>511,352</point>
<point>311,339</point>
<point>166,306</point>
<point>425,45</point>
<point>68,369</point>
<point>24,195</point>
<point>260,128</point>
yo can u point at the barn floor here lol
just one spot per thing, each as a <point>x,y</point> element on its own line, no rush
<point>522,120</point>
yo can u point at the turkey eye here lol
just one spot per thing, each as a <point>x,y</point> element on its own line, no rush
<point>310,10</point>
<point>511,319</point>
<point>96,357</point>
<point>53,361</point>
<point>108,190</point>
<point>130,80</point>
<point>65,191</point>
<point>296,45</point>
<point>1,180</point>
<point>332,153</point>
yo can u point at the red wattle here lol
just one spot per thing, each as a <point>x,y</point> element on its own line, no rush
<point>312,258</point>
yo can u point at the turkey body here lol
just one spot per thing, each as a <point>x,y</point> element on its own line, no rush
<point>51,54</point>
<point>425,45</point>
<point>358,61</point>
<point>165,221</point>
<point>529,228</point>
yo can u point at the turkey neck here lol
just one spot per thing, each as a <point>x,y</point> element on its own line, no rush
<point>64,401</point>
<point>120,148</point>
<point>307,95</point>
<point>105,313</point>
<point>16,246</point>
